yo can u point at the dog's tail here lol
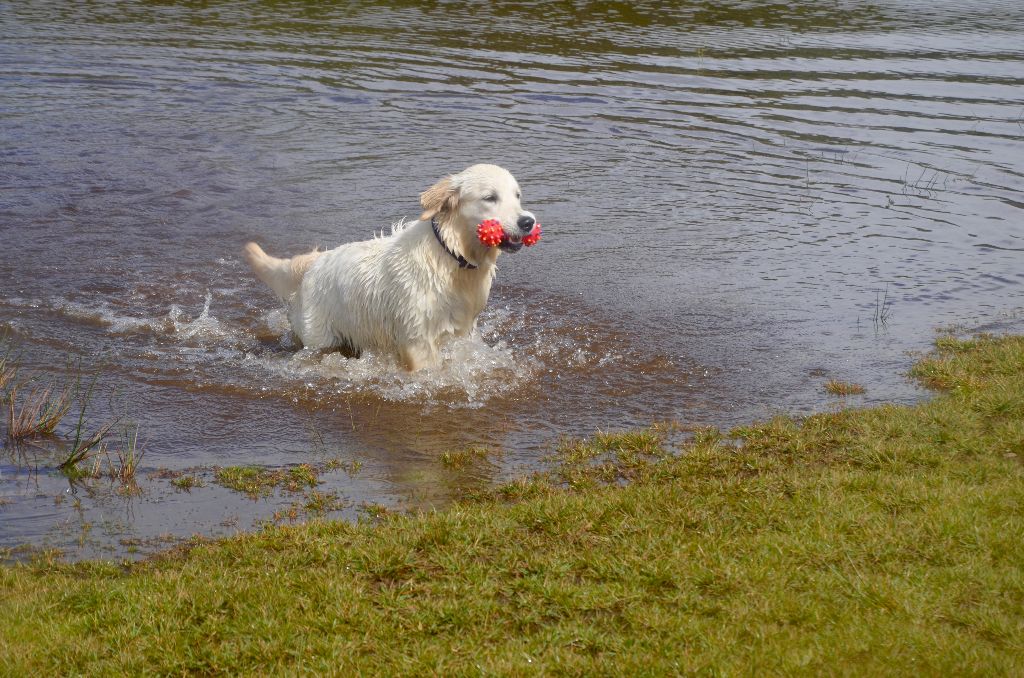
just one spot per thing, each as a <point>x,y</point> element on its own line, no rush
<point>282,275</point>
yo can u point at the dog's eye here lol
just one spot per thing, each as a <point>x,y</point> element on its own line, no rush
<point>518,196</point>
<point>491,198</point>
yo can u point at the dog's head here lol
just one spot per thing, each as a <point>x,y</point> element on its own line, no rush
<point>459,202</point>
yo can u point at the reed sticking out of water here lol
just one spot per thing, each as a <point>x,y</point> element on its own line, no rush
<point>8,370</point>
<point>129,456</point>
<point>40,412</point>
<point>83,445</point>
<point>882,308</point>
<point>122,467</point>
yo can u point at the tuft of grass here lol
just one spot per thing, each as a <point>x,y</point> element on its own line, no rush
<point>186,482</point>
<point>129,456</point>
<point>458,459</point>
<point>300,477</point>
<point>90,467</point>
<point>8,367</point>
<point>607,458</point>
<point>38,414</point>
<point>323,502</point>
<point>351,467</point>
<point>377,511</point>
<point>83,445</point>
<point>878,541</point>
<point>252,480</point>
<point>260,482</point>
<point>843,388</point>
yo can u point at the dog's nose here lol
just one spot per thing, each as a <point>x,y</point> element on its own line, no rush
<point>526,223</point>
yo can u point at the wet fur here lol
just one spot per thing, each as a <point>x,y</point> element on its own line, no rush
<point>400,293</point>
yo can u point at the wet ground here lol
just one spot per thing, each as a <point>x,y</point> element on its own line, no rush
<point>739,203</point>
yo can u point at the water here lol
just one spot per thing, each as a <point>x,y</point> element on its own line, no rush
<point>732,195</point>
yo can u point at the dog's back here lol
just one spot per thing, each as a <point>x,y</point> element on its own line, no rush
<point>282,275</point>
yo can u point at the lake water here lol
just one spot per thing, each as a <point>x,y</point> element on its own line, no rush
<point>740,201</point>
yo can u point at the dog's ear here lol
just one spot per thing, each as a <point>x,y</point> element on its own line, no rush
<point>441,197</point>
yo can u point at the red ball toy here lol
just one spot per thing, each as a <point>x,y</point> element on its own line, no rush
<point>492,234</point>
<point>533,236</point>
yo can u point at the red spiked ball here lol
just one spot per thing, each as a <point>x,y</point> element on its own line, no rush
<point>531,238</point>
<point>490,232</point>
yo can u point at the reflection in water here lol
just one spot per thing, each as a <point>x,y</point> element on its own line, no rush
<point>729,192</point>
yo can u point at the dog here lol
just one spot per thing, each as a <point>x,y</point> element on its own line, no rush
<point>407,292</point>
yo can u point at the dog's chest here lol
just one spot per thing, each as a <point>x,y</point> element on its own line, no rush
<point>464,302</point>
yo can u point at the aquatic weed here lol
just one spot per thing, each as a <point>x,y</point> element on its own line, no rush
<point>457,459</point>
<point>129,456</point>
<point>40,411</point>
<point>843,388</point>
<point>186,482</point>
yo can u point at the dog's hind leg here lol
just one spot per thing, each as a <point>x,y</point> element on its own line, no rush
<point>282,275</point>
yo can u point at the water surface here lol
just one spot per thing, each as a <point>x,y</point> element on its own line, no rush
<point>734,195</point>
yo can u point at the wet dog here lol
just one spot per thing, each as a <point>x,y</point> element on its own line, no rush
<point>407,292</point>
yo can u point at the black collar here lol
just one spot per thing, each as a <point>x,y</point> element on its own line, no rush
<point>457,257</point>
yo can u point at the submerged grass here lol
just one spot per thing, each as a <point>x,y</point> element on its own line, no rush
<point>875,541</point>
<point>843,388</point>
<point>186,482</point>
<point>459,459</point>
<point>260,482</point>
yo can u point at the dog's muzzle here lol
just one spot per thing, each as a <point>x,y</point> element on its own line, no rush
<point>511,244</point>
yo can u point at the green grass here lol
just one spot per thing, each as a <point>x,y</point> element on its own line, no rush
<point>458,459</point>
<point>843,388</point>
<point>186,482</point>
<point>883,541</point>
<point>39,412</point>
<point>260,482</point>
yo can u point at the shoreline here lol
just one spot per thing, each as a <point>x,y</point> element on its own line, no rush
<point>883,539</point>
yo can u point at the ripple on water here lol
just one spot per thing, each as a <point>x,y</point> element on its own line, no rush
<point>729,193</point>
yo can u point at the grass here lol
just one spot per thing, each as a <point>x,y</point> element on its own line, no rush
<point>83,445</point>
<point>260,482</point>
<point>84,460</point>
<point>351,467</point>
<point>186,483</point>
<point>323,502</point>
<point>843,388</point>
<point>881,541</point>
<point>8,367</point>
<point>883,308</point>
<point>458,459</point>
<point>39,412</point>
<point>129,455</point>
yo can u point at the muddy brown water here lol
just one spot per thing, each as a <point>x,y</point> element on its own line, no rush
<point>740,202</point>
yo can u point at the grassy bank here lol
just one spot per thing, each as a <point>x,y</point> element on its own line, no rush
<point>879,541</point>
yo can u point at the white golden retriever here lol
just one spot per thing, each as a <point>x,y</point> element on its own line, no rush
<point>406,292</point>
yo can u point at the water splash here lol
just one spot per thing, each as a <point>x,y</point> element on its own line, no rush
<point>511,351</point>
<point>471,371</point>
<point>205,328</point>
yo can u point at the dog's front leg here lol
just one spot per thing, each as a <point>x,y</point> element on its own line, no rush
<point>418,355</point>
